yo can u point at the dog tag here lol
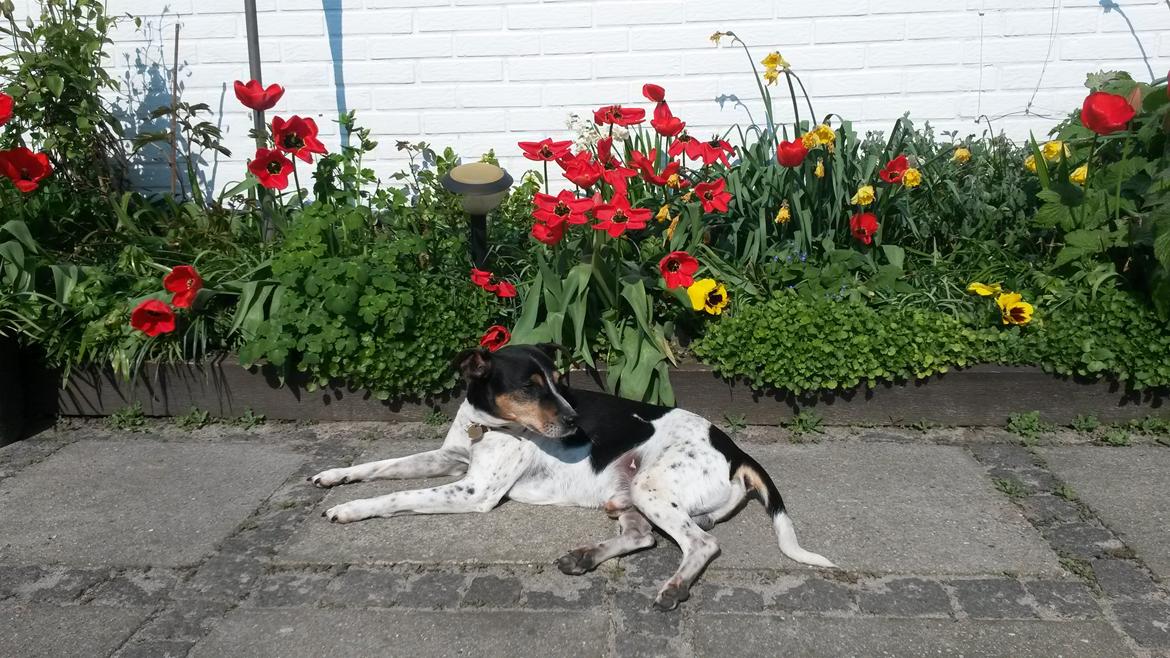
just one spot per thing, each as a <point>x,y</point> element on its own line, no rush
<point>475,431</point>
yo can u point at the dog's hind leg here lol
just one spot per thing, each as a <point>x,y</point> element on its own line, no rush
<point>433,463</point>
<point>635,535</point>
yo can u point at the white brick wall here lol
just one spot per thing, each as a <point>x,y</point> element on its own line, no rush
<point>476,74</point>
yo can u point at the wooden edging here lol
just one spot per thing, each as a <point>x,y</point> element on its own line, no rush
<point>981,395</point>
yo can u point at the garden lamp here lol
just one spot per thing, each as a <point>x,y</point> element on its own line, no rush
<point>483,186</point>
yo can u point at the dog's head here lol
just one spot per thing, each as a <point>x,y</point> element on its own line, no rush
<point>519,384</point>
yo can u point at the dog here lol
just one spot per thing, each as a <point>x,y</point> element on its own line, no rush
<point>522,433</point>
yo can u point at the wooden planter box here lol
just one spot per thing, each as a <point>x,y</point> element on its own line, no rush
<point>981,395</point>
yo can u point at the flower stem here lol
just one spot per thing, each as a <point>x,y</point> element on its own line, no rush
<point>546,176</point>
<point>297,180</point>
<point>795,107</point>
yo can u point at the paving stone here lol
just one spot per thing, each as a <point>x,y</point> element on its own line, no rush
<point>992,599</point>
<point>727,599</point>
<point>15,578</point>
<point>492,591</point>
<point>1123,579</point>
<point>814,595</point>
<point>433,590</point>
<point>1083,540</point>
<point>290,588</point>
<point>1127,490</point>
<point>1063,599</point>
<point>646,646</point>
<point>1003,455</point>
<point>1045,509</point>
<point>186,619</point>
<point>851,502</point>
<point>65,632</point>
<point>638,617</point>
<point>155,649</point>
<point>763,635</point>
<point>312,633</point>
<point>140,502</point>
<point>359,587</point>
<point>503,536</point>
<point>905,597</point>
<point>1147,622</point>
<point>561,592</point>
<point>222,577</point>
<point>135,588</point>
<point>58,584</point>
<point>654,565</point>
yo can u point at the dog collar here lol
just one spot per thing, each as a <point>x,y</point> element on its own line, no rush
<point>475,431</point>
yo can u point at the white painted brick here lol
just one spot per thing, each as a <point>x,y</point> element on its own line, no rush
<point>226,6</point>
<point>554,68</point>
<point>405,4</point>
<point>550,17</point>
<point>371,22</point>
<point>200,27</point>
<point>952,26</point>
<point>293,5</point>
<point>318,50</point>
<point>1058,74</point>
<point>378,72</point>
<point>1153,17</point>
<point>816,8</point>
<point>390,125</point>
<point>588,96</point>
<point>1007,50</point>
<point>626,66</point>
<point>496,44</point>
<point>637,13</point>
<point>460,70</point>
<point>1091,47</point>
<point>497,95</point>
<point>416,97</point>
<point>290,24</point>
<point>461,18</point>
<point>854,83</point>
<point>852,30</point>
<point>708,10</point>
<point>293,76</point>
<point>466,121</point>
<point>1040,22</point>
<point>585,41</point>
<point>536,124</point>
<point>947,79</point>
<point>913,53</point>
<point>410,46</point>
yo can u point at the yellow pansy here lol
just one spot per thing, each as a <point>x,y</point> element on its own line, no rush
<point>961,155</point>
<point>708,295</point>
<point>864,196</point>
<point>911,177</point>
<point>1052,150</point>
<point>784,214</point>
<point>1079,175</point>
<point>819,172</point>
<point>1030,163</point>
<point>1013,309</point>
<point>983,289</point>
<point>663,214</point>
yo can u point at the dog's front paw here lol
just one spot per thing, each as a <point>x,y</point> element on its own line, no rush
<point>671,595</point>
<point>346,512</point>
<point>576,562</point>
<point>329,478</point>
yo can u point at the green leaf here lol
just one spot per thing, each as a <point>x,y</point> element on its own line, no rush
<point>55,85</point>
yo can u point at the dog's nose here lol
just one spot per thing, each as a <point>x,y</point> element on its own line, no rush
<point>570,418</point>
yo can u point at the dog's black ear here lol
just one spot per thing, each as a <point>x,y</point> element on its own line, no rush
<point>474,363</point>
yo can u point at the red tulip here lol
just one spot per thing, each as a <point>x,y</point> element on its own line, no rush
<point>495,337</point>
<point>791,154</point>
<point>297,136</point>
<point>153,317</point>
<point>665,123</point>
<point>564,207</point>
<point>618,115</point>
<point>272,168</point>
<point>545,150</point>
<point>505,289</point>
<point>713,195</point>
<point>645,163</point>
<point>617,216</point>
<point>1106,113</point>
<point>549,234</point>
<point>716,150</point>
<point>654,93</point>
<point>892,172</point>
<point>580,169</point>
<point>488,282</point>
<point>5,108</point>
<point>24,168</point>
<point>864,226</point>
<point>256,97</point>
<point>692,147</point>
<point>678,269</point>
<point>185,282</point>
<point>612,169</point>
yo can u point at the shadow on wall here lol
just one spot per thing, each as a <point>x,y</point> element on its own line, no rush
<point>1111,6</point>
<point>147,86</point>
<point>333,28</point>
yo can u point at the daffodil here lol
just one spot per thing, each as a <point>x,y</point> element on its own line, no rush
<point>819,172</point>
<point>983,289</point>
<point>784,214</point>
<point>663,214</point>
<point>771,76</point>
<point>1030,163</point>
<point>774,61</point>
<point>708,295</point>
<point>715,38</point>
<point>911,177</point>
<point>1054,149</point>
<point>864,196</point>
<point>1013,309</point>
<point>825,133</point>
<point>1079,175</point>
<point>673,225</point>
<point>810,140</point>
<point>674,181</point>
<point>961,155</point>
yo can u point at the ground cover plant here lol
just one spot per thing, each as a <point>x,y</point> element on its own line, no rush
<point>788,250</point>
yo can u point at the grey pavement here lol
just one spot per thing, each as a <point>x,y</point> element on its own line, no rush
<point>210,543</point>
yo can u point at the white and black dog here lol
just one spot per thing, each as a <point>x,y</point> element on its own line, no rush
<point>523,434</point>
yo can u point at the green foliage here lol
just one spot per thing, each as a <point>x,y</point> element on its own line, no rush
<point>1066,492</point>
<point>1028,425</point>
<point>806,421</point>
<point>735,422</point>
<point>1086,423</point>
<point>249,419</point>
<point>1149,426</point>
<point>1010,487</point>
<point>436,418</point>
<point>1116,437</point>
<point>193,419</point>
<point>127,419</point>
<point>1079,568</point>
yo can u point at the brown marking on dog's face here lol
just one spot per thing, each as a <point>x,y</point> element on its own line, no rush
<point>517,384</point>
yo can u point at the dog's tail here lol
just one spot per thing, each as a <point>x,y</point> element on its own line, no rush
<point>757,479</point>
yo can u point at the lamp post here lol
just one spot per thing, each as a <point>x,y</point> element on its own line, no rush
<point>482,186</point>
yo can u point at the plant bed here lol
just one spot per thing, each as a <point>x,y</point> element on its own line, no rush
<point>980,395</point>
